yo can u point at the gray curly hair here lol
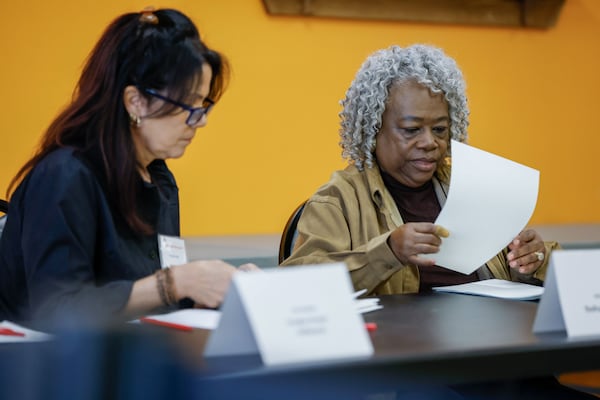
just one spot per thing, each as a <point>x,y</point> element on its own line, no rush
<point>366,98</point>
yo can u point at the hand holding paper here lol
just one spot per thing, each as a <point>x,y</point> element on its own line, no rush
<point>490,201</point>
<point>410,239</point>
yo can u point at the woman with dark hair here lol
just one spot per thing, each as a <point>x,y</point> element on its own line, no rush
<point>82,228</point>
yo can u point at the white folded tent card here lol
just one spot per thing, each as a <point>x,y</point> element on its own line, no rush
<point>288,315</point>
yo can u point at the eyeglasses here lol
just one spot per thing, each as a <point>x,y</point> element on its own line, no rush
<point>196,113</point>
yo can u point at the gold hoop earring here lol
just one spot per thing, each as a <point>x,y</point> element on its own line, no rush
<point>135,120</point>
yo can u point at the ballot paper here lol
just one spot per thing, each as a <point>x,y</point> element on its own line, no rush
<point>189,317</point>
<point>496,288</point>
<point>14,333</point>
<point>490,200</point>
<point>367,304</point>
<point>364,306</point>
<point>209,319</point>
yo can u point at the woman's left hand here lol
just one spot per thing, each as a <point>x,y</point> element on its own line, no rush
<point>527,252</point>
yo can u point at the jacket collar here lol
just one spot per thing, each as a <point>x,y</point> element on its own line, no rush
<point>383,198</point>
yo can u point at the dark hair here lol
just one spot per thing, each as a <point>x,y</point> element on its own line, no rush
<point>163,53</point>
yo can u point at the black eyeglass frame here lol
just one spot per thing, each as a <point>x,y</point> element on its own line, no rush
<point>196,113</point>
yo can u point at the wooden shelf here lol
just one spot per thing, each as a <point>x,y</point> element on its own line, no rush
<point>520,13</point>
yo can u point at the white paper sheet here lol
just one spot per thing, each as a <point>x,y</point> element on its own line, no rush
<point>209,319</point>
<point>496,288</point>
<point>29,334</point>
<point>490,201</point>
<point>192,317</point>
<point>369,304</point>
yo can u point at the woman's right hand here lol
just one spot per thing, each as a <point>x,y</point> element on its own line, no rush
<point>205,282</point>
<point>410,240</point>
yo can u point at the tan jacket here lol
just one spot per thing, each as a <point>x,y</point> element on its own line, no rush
<point>349,220</point>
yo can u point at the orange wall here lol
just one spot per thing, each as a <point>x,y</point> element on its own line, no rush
<point>273,139</point>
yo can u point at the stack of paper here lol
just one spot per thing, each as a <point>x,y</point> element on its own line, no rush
<point>496,288</point>
<point>366,305</point>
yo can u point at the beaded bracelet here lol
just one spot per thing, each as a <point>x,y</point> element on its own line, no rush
<point>165,287</point>
<point>171,295</point>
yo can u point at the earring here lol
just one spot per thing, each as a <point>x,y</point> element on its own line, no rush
<point>135,120</point>
<point>373,145</point>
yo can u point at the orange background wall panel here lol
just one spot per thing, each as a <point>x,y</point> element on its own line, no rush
<point>273,138</point>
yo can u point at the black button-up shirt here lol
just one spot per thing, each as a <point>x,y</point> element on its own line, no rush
<point>66,253</point>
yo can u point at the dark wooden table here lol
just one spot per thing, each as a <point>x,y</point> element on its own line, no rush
<point>420,341</point>
<point>432,339</point>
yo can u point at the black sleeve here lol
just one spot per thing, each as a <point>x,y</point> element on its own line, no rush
<point>59,240</point>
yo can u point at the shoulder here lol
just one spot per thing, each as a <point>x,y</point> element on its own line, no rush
<point>344,186</point>
<point>61,162</point>
<point>351,181</point>
<point>60,174</point>
<point>345,179</point>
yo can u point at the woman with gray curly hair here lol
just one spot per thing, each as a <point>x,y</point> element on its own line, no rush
<point>377,215</point>
<point>366,98</point>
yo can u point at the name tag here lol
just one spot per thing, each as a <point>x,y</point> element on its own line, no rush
<point>571,299</point>
<point>172,251</point>
<point>290,315</point>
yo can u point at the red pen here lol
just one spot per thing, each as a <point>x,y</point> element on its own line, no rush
<point>166,324</point>
<point>371,326</point>
<point>10,332</point>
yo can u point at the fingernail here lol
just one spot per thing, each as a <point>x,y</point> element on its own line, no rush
<point>441,231</point>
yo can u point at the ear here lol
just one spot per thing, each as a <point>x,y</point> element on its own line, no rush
<point>134,102</point>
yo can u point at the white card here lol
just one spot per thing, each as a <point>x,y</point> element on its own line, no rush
<point>487,194</point>
<point>290,315</point>
<point>571,299</point>
<point>172,251</point>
